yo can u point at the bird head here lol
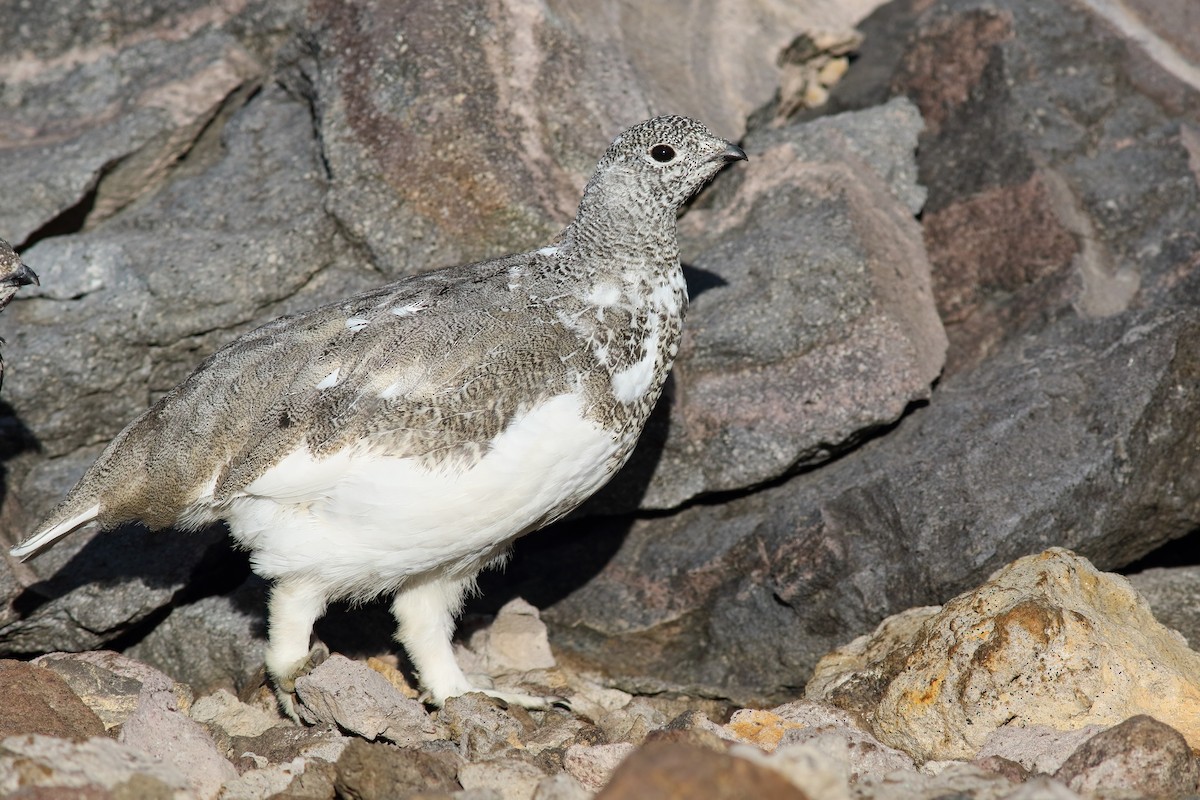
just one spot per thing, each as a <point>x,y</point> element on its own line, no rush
<point>662,162</point>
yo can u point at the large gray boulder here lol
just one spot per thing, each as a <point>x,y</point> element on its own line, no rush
<point>1074,437</point>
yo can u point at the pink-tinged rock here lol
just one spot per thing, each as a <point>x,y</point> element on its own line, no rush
<point>459,130</point>
<point>516,641</point>
<point>32,764</point>
<point>38,700</point>
<point>1037,748</point>
<point>1140,756</point>
<point>511,778</point>
<point>170,736</point>
<point>115,686</point>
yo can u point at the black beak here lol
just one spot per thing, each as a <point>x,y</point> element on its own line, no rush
<point>731,153</point>
<point>21,276</point>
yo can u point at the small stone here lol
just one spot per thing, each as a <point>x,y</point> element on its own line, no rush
<point>999,765</point>
<point>268,781</point>
<point>860,751</point>
<point>510,778</point>
<point>1036,748</point>
<point>560,787</point>
<point>515,642</point>
<point>814,771</point>
<point>1141,755</point>
<point>160,729</point>
<point>1042,788</point>
<point>285,743</point>
<point>952,780</point>
<point>377,771</point>
<point>359,699</point>
<point>480,726</point>
<point>593,765</point>
<point>315,783</point>
<point>232,715</point>
<point>557,730</point>
<point>394,676</point>
<point>38,700</point>
<point>632,722</point>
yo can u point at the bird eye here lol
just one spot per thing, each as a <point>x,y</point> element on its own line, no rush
<point>662,153</point>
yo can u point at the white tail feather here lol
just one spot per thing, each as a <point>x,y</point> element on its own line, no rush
<point>44,539</point>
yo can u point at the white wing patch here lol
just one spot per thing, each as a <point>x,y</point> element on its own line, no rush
<point>410,309</point>
<point>330,380</point>
<point>604,295</point>
<point>357,323</point>
<point>632,383</point>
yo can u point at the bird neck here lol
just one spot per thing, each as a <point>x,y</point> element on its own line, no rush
<point>616,226</point>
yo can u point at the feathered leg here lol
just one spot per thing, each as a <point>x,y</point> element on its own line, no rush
<point>425,615</point>
<point>293,610</point>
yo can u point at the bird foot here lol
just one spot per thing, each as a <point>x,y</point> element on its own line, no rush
<point>285,686</point>
<point>530,701</point>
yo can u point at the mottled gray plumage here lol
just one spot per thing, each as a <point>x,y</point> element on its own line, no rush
<point>13,275</point>
<point>399,440</point>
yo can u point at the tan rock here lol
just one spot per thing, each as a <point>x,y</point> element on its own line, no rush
<point>593,764</point>
<point>515,642</point>
<point>1048,640</point>
<point>509,778</point>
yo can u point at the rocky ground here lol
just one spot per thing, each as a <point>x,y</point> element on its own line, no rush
<point>944,323</point>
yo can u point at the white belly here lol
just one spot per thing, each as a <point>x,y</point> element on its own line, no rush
<point>361,522</point>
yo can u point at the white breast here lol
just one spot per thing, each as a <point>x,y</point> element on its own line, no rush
<point>359,519</point>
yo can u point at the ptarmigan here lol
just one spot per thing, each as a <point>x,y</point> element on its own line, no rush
<point>398,441</point>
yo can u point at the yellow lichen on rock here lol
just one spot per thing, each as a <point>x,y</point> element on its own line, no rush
<point>763,729</point>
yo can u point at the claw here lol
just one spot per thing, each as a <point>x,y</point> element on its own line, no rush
<point>285,685</point>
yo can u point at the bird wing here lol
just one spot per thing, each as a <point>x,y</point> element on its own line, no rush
<point>420,368</point>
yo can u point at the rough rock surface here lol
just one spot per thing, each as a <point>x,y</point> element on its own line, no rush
<point>114,686</point>
<point>215,642</point>
<point>530,91</point>
<point>32,764</point>
<point>1091,420</point>
<point>1058,155</point>
<point>360,700</point>
<point>1048,640</point>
